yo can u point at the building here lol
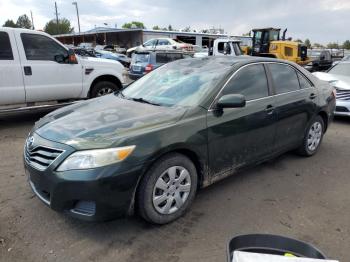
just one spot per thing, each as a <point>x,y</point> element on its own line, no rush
<point>133,37</point>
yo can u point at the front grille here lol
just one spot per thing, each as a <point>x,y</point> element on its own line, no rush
<point>341,109</point>
<point>343,94</point>
<point>40,157</point>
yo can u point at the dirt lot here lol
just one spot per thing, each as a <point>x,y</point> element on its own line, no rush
<point>306,198</point>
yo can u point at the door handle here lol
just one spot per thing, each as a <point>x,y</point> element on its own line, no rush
<point>27,70</point>
<point>313,96</point>
<point>269,109</point>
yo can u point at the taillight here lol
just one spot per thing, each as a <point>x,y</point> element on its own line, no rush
<point>148,68</point>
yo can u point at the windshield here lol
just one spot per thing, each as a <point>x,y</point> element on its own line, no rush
<point>183,83</point>
<point>340,69</point>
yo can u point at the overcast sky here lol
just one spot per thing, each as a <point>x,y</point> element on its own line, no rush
<point>321,21</point>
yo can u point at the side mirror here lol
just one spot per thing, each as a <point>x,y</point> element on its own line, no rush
<point>72,59</point>
<point>60,58</point>
<point>231,101</point>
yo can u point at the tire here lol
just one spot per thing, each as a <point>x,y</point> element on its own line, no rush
<point>313,137</point>
<point>162,206</point>
<point>103,88</point>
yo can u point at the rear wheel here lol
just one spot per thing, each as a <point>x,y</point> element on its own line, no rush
<point>103,88</point>
<point>313,137</point>
<point>167,189</point>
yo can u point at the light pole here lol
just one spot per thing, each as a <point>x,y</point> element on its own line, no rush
<point>76,7</point>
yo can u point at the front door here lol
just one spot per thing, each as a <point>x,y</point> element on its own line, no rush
<point>44,78</point>
<point>240,136</point>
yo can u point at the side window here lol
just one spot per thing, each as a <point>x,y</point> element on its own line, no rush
<point>163,42</point>
<point>284,77</point>
<point>162,58</point>
<point>40,47</point>
<point>250,81</point>
<point>5,47</point>
<point>221,47</point>
<point>304,83</point>
<point>150,43</point>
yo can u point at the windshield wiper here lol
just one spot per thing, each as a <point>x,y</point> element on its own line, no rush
<point>142,100</point>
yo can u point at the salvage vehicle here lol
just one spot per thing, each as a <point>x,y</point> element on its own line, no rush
<point>38,71</point>
<point>321,60</point>
<point>184,126</point>
<point>221,47</point>
<point>268,43</point>
<point>123,59</point>
<point>143,62</point>
<point>161,44</point>
<point>339,77</point>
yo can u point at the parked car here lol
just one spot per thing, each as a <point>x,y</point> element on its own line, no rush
<point>143,62</point>
<point>339,77</point>
<point>123,59</point>
<point>345,58</point>
<point>161,44</point>
<point>321,60</point>
<point>111,48</point>
<point>83,52</point>
<point>183,126</point>
<point>37,70</point>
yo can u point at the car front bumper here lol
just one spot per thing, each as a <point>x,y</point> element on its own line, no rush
<point>342,108</point>
<point>94,195</point>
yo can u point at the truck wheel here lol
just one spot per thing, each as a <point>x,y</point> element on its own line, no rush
<point>103,88</point>
<point>313,137</point>
<point>167,189</point>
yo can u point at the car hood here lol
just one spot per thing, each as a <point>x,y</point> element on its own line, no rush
<point>338,81</point>
<point>101,122</point>
<point>99,62</point>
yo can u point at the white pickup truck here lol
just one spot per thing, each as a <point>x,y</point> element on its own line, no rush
<point>36,70</point>
<point>223,46</point>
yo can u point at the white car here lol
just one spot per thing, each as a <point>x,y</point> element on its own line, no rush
<point>36,69</point>
<point>162,44</point>
<point>339,77</point>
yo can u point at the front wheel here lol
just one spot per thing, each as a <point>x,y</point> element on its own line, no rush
<point>313,137</point>
<point>167,189</point>
<point>103,88</point>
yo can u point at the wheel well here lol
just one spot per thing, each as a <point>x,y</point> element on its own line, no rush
<point>325,119</point>
<point>108,78</point>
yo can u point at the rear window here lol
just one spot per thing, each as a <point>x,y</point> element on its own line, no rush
<point>141,58</point>
<point>5,47</point>
<point>163,58</point>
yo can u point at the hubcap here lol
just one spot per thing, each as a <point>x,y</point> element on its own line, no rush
<point>314,136</point>
<point>171,190</point>
<point>104,91</point>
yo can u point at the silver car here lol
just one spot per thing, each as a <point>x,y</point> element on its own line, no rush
<point>339,77</point>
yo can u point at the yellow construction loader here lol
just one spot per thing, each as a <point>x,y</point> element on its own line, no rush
<point>268,43</point>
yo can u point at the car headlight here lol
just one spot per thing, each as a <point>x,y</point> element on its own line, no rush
<point>95,158</point>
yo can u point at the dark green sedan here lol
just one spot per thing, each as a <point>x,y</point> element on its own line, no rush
<point>150,147</point>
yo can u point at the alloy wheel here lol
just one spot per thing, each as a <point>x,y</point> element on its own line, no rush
<point>314,136</point>
<point>171,190</point>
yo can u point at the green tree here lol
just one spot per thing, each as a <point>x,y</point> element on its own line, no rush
<point>205,31</point>
<point>333,46</point>
<point>24,22</point>
<point>317,45</point>
<point>156,27</point>
<point>346,44</point>
<point>307,43</point>
<point>134,24</point>
<point>63,27</point>
<point>170,28</point>
<point>298,41</point>
<point>9,23</point>
<point>186,29</point>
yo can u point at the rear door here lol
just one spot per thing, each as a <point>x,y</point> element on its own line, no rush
<point>44,78</point>
<point>11,79</point>
<point>295,104</point>
<point>239,136</point>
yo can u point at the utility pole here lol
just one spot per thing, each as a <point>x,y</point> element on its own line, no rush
<point>31,15</point>
<point>56,13</point>
<point>76,7</point>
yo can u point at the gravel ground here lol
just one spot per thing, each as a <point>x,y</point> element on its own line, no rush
<point>305,198</point>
